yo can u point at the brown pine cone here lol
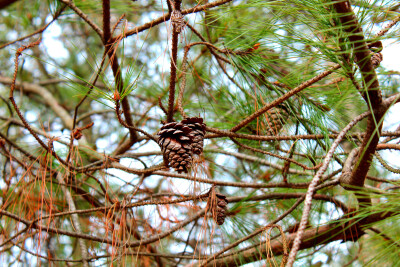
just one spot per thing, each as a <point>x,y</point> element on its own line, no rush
<point>222,203</point>
<point>198,131</point>
<point>175,140</point>
<point>376,59</point>
<point>221,215</point>
<point>277,117</point>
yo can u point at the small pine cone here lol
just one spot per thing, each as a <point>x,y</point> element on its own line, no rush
<point>175,140</point>
<point>178,21</point>
<point>199,130</point>
<point>221,215</point>
<point>376,59</point>
<point>277,118</point>
<point>222,202</point>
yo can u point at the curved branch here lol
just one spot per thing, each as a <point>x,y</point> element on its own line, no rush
<point>45,95</point>
<point>310,192</point>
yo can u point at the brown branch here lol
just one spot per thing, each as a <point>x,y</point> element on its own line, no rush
<point>233,184</point>
<point>110,47</point>
<point>55,17</point>
<point>12,100</point>
<point>45,95</point>
<point>388,27</point>
<point>83,16</point>
<point>240,156</point>
<point>203,197</point>
<point>75,219</point>
<point>174,56</point>
<point>313,237</point>
<point>123,123</point>
<point>94,166</point>
<point>314,182</point>
<point>388,146</point>
<point>371,93</point>
<point>166,17</point>
<point>227,133</point>
<point>117,206</point>
<point>276,156</point>
<point>6,3</point>
<point>284,97</point>
<point>211,261</point>
<point>142,242</point>
<point>106,21</point>
<point>90,259</point>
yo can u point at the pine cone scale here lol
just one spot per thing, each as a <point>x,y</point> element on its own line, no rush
<point>180,140</point>
<point>198,132</point>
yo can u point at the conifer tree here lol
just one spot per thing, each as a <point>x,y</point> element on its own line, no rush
<point>199,133</point>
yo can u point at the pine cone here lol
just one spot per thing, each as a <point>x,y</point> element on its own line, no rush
<point>175,140</point>
<point>277,117</point>
<point>376,59</point>
<point>198,132</point>
<point>222,202</point>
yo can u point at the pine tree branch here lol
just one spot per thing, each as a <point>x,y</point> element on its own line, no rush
<point>137,243</point>
<point>371,94</point>
<point>310,191</point>
<point>226,133</point>
<point>46,96</point>
<point>166,17</point>
<point>305,167</point>
<point>75,219</point>
<point>284,97</point>
<point>210,261</point>
<point>345,229</point>
<point>173,63</point>
<point>6,3</point>
<point>83,16</point>
<point>110,47</point>
<point>39,31</point>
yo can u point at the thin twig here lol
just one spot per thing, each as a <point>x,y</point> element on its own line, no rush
<point>183,82</point>
<point>82,15</point>
<point>123,123</point>
<point>166,17</point>
<point>174,56</point>
<point>314,182</point>
<point>284,97</point>
<point>276,156</point>
<point>105,240</point>
<point>55,17</point>
<point>75,219</point>
<point>385,164</point>
<point>388,27</point>
<point>82,100</point>
<point>209,260</point>
<point>12,100</point>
